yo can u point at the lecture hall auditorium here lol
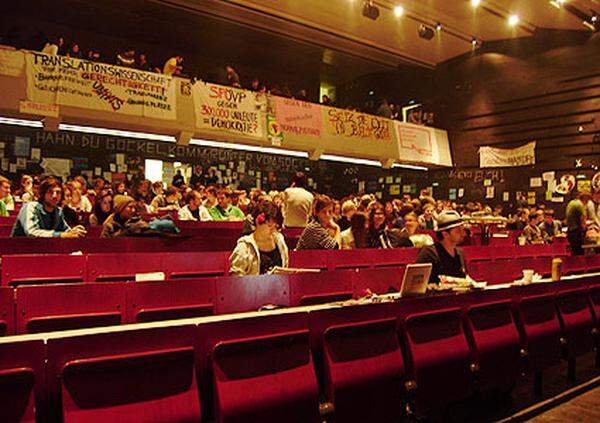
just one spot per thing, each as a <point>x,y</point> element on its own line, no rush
<point>299,211</point>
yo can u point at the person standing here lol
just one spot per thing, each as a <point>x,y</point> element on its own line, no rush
<point>297,203</point>
<point>576,226</point>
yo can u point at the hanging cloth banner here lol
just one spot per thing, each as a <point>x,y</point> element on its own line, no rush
<point>422,144</point>
<point>229,110</point>
<point>11,62</point>
<point>507,157</point>
<point>80,83</point>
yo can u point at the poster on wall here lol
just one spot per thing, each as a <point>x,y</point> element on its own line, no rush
<point>229,110</point>
<point>90,85</point>
<point>423,144</point>
<point>507,157</point>
<point>11,62</point>
<point>355,125</point>
<point>297,117</point>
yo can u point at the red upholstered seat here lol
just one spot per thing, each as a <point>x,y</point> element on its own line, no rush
<point>319,288</point>
<point>195,264</point>
<point>350,259</point>
<point>42,268</point>
<point>495,345</point>
<point>593,263</point>
<point>129,376</point>
<point>7,311</point>
<point>439,358</point>
<point>166,300</point>
<point>262,369</point>
<point>364,371</point>
<point>577,321</point>
<point>309,259</point>
<point>504,252</point>
<point>22,381</point>
<point>574,264</point>
<point>378,280</point>
<point>477,253</point>
<point>111,267</point>
<point>595,303</point>
<point>494,272</point>
<point>540,330</point>
<point>45,308</point>
<point>249,293</point>
<point>541,265</point>
<point>393,257</point>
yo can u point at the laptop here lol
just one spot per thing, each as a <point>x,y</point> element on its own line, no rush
<point>415,279</point>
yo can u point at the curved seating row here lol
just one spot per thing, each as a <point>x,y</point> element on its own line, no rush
<point>368,361</point>
<point>484,263</point>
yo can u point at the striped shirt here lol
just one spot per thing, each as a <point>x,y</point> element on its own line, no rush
<point>316,237</point>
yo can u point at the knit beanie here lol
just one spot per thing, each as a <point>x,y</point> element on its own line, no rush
<point>120,202</point>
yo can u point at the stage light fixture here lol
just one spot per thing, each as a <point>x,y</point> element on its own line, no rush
<point>370,10</point>
<point>426,32</point>
<point>513,20</point>
<point>475,3</point>
<point>438,26</point>
<point>594,19</point>
<point>398,11</point>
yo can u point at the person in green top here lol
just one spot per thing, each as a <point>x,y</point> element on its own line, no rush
<point>224,210</point>
<point>575,217</point>
<point>4,195</point>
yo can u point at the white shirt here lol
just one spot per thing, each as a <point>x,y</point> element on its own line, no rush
<point>297,207</point>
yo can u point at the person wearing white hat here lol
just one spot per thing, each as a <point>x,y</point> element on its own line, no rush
<point>445,257</point>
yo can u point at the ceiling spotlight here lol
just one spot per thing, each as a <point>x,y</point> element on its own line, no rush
<point>474,42</point>
<point>475,3</point>
<point>594,18</point>
<point>438,26</point>
<point>370,10</point>
<point>398,11</point>
<point>580,129</point>
<point>426,32</point>
<point>513,20</point>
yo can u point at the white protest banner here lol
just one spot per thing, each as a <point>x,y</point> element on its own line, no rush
<point>507,157</point>
<point>80,83</point>
<point>422,144</point>
<point>228,109</point>
<point>298,117</point>
<point>11,62</point>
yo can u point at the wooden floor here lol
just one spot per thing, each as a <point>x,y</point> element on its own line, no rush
<point>583,408</point>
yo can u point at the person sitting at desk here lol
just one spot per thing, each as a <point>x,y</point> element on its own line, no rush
<point>224,210</point>
<point>445,257</point>
<point>532,232</point>
<point>44,218</point>
<point>265,248</point>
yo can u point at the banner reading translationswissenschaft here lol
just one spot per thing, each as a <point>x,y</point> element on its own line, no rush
<point>80,83</point>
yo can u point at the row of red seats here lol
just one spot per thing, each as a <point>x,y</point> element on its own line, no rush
<point>38,268</point>
<point>368,361</point>
<point>52,307</point>
<point>105,267</point>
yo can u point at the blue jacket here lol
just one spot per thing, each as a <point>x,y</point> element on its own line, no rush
<point>34,221</point>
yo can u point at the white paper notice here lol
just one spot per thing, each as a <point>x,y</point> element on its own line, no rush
<point>36,153</point>
<point>21,162</point>
<point>113,167</point>
<point>5,164</point>
<point>489,192</point>
<point>461,192</point>
<point>505,196</point>
<point>535,182</point>
<point>12,168</point>
<point>548,176</point>
<point>97,171</point>
<point>120,159</point>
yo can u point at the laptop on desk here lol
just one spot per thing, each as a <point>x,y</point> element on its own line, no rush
<point>415,280</point>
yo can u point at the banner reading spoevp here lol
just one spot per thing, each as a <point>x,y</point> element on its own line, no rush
<point>356,125</point>
<point>507,157</point>
<point>228,109</point>
<point>422,144</point>
<point>98,86</point>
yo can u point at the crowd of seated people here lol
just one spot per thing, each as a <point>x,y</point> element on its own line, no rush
<point>52,208</point>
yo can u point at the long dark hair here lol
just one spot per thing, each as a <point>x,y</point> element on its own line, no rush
<point>359,232</point>
<point>100,214</point>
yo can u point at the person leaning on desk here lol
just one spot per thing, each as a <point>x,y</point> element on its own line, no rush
<point>444,255</point>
